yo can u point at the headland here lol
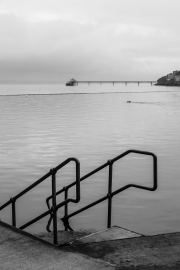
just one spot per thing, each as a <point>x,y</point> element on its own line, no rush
<point>171,79</point>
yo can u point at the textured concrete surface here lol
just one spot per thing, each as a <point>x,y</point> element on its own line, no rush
<point>113,233</point>
<point>158,252</point>
<point>21,251</point>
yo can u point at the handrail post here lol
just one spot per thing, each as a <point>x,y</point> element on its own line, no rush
<point>155,172</point>
<point>66,205</point>
<point>13,201</point>
<point>77,181</point>
<point>109,194</point>
<point>53,172</point>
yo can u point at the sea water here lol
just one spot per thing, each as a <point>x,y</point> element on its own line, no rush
<point>42,125</point>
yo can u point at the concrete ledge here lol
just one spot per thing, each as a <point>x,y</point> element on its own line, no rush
<point>21,250</point>
<point>32,236</point>
<point>147,252</point>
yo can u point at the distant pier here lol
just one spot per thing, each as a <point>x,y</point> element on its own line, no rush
<point>75,83</point>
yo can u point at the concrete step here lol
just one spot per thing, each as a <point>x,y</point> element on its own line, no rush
<point>113,233</point>
<point>20,250</point>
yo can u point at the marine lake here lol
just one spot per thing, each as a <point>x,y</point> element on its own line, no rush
<point>42,125</point>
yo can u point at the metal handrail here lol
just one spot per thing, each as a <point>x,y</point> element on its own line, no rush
<point>55,207</point>
<point>53,210</point>
<point>110,193</point>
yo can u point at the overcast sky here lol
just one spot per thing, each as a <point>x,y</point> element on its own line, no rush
<point>55,40</point>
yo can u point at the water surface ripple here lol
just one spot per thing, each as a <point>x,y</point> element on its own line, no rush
<point>42,125</point>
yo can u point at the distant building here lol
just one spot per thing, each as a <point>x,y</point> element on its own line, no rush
<point>175,72</point>
<point>169,76</point>
<point>177,77</point>
<point>173,76</point>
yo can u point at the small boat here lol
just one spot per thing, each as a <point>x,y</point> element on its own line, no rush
<point>72,82</point>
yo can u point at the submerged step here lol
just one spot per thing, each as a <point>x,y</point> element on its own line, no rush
<point>113,233</point>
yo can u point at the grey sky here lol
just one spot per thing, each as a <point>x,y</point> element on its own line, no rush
<point>54,40</point>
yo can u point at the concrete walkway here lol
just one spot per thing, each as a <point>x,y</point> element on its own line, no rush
<point>23,251</point>
<point>158,252</point>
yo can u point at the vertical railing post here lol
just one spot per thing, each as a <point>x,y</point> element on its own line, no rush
<point>155,172</point>
<point>13,201</point>
<point>66,205</point>
<point>77,181</point>
<point>109,195</point>
<point>54,205</point>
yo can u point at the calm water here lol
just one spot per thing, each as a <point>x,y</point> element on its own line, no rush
<point>42,125</point>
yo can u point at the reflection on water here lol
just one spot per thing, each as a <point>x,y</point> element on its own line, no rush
<point>37,132</point>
